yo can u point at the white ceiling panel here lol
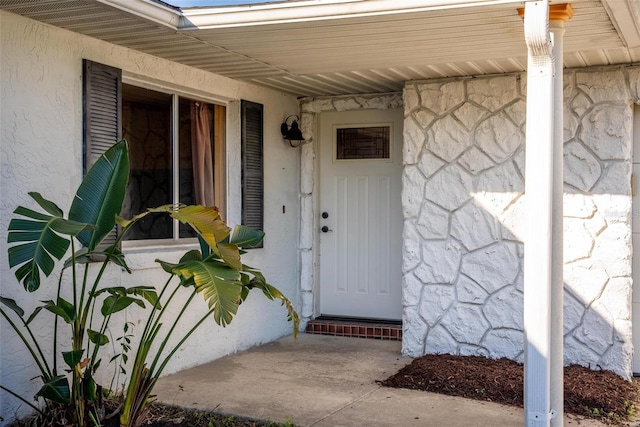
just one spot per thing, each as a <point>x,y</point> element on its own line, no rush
<point>345,54</point>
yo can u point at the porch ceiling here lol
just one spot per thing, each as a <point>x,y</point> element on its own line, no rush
<point>350,51</point>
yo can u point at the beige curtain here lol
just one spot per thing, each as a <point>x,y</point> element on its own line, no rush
<point>202,155</point>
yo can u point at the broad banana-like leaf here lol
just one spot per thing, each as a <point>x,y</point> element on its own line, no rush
<point>13,305</point>
<point>72,358</point>
<point>115,303</point>
<point>230,255</point>
<point>124,223</point>
<point>246,237</point>
<point>90,388</point>
<point>205,221</point>
<point>40,238</point>
<point>84,256</point>
<point>101,193</point>
<point>147,292</point>
<point>56,390</point>
<point>219,284</point>
<point>63,308</point>
<point>271,292</point>
<point>205,249</point>
<point>97,338</point>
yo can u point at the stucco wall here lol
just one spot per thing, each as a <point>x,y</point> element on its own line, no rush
<point>463,204</point>
<point>41,150</point>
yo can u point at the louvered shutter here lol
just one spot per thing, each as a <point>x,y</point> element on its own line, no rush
<point>252,165</point>
<point>102,110</point>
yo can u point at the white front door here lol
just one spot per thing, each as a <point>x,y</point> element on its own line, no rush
<point>360,213</point>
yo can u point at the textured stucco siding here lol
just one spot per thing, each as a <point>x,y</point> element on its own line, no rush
<point>463,203</point>
<point>41,150</point>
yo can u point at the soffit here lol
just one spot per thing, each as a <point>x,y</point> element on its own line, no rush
<point>346,55</point>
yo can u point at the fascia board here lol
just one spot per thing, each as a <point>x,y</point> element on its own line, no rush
<point>316,10</point>
<point>149,10</point>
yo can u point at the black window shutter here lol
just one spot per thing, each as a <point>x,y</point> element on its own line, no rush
<point>102,110</point>
<point>252,165</point>
<point>102,99</point>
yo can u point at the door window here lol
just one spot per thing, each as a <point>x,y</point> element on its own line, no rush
<point>370,142</point>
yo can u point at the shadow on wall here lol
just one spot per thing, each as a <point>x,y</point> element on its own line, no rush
<point>464,207</point>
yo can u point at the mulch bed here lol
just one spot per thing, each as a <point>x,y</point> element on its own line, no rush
<point>598,394</point>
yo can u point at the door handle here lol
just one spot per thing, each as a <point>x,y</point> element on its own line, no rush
<point>325,229</point>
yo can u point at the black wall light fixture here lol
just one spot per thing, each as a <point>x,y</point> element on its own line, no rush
<point>291,131</point>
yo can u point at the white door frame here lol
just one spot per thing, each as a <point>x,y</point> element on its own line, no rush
<point>309,167</point>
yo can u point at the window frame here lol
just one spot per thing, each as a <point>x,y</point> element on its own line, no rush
<point>335,129</point>
<point>177,93</point>
<point>92,148</point>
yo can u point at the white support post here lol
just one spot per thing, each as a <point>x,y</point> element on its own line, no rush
<point>556,24</point>
<point>538,254</point>
<point>544,284</point>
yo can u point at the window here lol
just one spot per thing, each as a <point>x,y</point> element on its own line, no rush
<point>176,147</point>
<point>370,142</point>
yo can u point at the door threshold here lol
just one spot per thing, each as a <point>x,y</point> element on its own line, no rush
<point>379,329</point>
<point>359,320</point>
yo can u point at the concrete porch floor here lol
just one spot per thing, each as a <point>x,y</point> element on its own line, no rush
<point>326,381</point>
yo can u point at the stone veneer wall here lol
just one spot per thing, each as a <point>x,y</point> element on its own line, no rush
<point>463,205</point>
<point>310,108</point>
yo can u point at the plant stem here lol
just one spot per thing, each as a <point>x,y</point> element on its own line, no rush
<point>35,342</point>
<point>55,329</point>
<point>26,343</point>
<point>157,374</point>
<point>168,335</point>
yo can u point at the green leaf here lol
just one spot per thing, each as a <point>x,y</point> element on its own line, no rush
<point>56,390</point>
<point>97,337</point>
<point>205,221</point>
<point>45,204</point>
<point>40,240</point>
<point>271,292</point>
<point>115,303</point>
<point>101,193</point>
<point>219,284</point>
<point>72,358</point>
<point>205,249</point>
<point>90,389</point>
<point>192,255</point>
<point>230,255</point>
<point>34,314</point>
<point>13,305</point>
<point>167,266</point>
<point>116,256</point>
<point>63,309</point>
<point>246,237</point>
<point>81,257</point>
<point>148,293</point>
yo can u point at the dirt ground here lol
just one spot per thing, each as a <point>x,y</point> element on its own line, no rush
<point>598,394</point>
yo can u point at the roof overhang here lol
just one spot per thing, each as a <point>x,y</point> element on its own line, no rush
<point>332,47</point>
